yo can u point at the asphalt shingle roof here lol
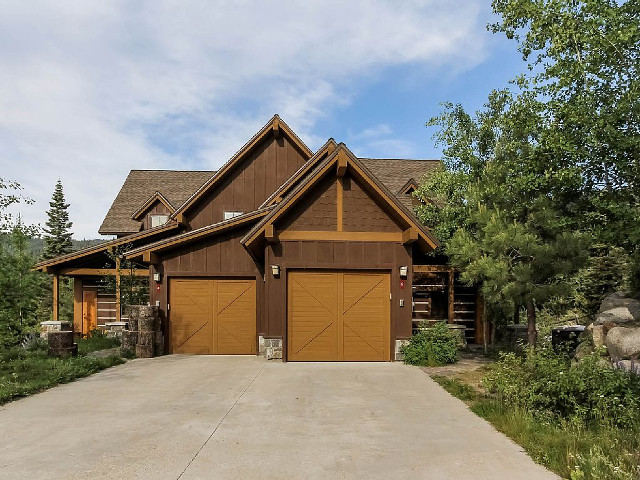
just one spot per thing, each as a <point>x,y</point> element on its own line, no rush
<point>176,185</point>
<point>395,172</point>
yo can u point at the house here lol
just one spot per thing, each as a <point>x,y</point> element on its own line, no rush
<point>300,255</point>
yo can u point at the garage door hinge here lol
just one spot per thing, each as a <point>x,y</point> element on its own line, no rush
<point>167,307</point>
<point>389,295</point>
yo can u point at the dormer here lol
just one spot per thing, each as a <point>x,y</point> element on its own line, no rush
<point>154,212</point>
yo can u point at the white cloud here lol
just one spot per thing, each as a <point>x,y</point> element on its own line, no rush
<point>93,89</point>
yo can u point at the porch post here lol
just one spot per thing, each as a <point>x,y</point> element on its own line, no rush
<point>118,313</point>
<point>56,296</point>
<point>452,310</point>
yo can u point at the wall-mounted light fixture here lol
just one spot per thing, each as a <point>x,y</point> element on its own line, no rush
<point>404,271</point>
<point>275,270</point>
<point>157,277</point>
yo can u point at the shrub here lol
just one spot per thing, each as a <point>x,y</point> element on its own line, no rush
<point>432,346</point>
<point>550,385</point>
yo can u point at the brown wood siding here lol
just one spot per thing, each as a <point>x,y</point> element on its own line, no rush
<point>219,257</point>
<point>156,208</point>
<point>338,256</point>
<point>250,183</point>
<point>361,213</point>
<point>315,211</point>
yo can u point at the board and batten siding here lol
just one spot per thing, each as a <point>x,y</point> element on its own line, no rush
<point>250,183</point>
<point>219,257</point>
<point>336,256</point>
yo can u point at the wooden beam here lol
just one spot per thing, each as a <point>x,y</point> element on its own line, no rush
<point>180,219</point>
<point>339,202</point>
<point>270,233</point>
<point>118,309</point>
<point>340,236</point>
<point>84,272</point>
<point>342,164</point>
<point>56,296</point>
<point>77,305</point>
<point>431,268</point>
<point>276,129</point>
<point>452,310</point>
<point>150,257</point>
<point>410,235</point>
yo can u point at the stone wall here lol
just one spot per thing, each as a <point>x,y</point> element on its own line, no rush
<point>270,348</point>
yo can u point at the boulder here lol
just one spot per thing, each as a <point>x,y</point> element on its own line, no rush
<point>621,299</point>
<point>628,366</point>
<point>623,343</point>
<point>598,337</point>
<point>618,316</point>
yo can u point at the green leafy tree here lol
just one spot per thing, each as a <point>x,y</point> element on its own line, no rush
<point>57,238</point>
<point>21,288</point>
<point>584,62</point>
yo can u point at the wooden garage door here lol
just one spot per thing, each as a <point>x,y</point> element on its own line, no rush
<point>212,316</point>
<point>338,316</point>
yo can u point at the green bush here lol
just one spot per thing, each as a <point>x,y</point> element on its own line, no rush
<point>550,385</point>
<point>432,347</point>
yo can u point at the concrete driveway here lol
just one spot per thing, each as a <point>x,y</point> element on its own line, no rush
<point>200,417</point>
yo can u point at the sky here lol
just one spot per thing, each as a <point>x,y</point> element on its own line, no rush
<point>91,90</point>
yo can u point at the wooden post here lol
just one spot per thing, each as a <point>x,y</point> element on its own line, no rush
<point>118,313</point>
<point>77,305</point>
<point>56,296</point>
<point>452,310</point>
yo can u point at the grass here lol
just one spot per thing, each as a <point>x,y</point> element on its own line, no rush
<point>572,450</point>
<point>25,372</point>
<point>97,341</point>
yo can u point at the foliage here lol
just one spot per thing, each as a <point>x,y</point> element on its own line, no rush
<point>432,346</point>
<point>572,450</point>
<point>551,386</point>
<point>57,238</point>
<point>96,340</point>
<point>20,286</point>
<point>25,372</point>
<point>606,271</point>
<point>583,59</point>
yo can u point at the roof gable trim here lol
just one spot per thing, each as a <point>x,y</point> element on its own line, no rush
<point>342,159</point>
<point>157,196</point>
<point>275,125</point>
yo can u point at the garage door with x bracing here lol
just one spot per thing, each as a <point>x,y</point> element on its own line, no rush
<point>338,316</point>
<point>212,316</point>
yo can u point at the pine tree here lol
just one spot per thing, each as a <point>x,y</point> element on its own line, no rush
<point>57,240</point>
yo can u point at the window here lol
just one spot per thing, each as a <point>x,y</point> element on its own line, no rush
<point>230,215</point>
<point>157,220</point>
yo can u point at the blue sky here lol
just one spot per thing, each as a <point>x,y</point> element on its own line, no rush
<point>94,89</point>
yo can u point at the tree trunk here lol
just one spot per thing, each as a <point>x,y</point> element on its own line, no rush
<point>532,334</point>
<point>516,315</point>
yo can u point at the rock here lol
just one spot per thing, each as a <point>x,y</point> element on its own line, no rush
<point>598,337</point>
<point>621,299</point>
<point>623,343</point>
<point>618,316</point>
<point>628,366</point>
<point>584,349</point>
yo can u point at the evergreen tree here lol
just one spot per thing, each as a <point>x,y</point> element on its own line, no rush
<point>57,240</point>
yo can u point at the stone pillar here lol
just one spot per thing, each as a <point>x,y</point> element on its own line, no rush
<point>53,326</point>
<point>272,348</point>
<point>398,354</point>
<point>114,329</point>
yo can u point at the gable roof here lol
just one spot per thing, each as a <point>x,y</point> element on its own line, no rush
<point>276,126</point>
<point>394,172</point>
<point>345,156</point>
<point>58,262</point>
<point>152,199</point>
<point>210,230</point>
<point>292,181</point>
<point>175,185</point>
